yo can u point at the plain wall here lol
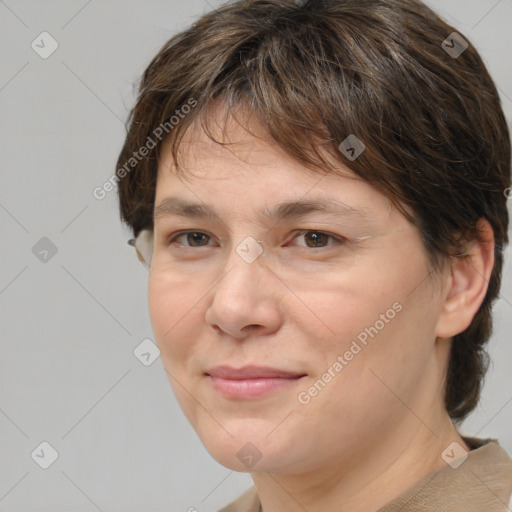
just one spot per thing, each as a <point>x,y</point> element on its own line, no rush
<point>69,325</point>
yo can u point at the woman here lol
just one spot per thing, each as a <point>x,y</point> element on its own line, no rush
<point>319,189</point>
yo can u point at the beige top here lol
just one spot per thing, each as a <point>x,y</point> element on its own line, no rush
<point>482,483</point>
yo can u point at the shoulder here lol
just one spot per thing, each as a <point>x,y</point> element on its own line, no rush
<point>475,481</point>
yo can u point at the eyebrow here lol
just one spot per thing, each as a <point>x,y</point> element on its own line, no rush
<point>286,210</point>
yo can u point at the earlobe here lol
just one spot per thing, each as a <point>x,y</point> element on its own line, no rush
<point>467,283</point>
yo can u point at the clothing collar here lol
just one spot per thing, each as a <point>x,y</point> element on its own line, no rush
<point>483,482</point>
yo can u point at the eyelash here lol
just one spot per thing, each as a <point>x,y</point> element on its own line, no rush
<point>337,239</point>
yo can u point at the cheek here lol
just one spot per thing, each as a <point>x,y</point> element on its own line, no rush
<point>385,353</point>
<point>339,308</point>
<point>175,313</point>
<point>174,308</point>
<point>378,323</point>
<point>362,370</point>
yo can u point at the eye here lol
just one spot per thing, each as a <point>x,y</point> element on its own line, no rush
<point>191,239</point>
<point>317,239</point>
<point>312,239</point>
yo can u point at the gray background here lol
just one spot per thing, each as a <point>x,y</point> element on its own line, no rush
<point>69,325</point>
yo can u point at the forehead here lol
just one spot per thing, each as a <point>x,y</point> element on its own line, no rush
<point>237,136</point>
<point>232,144</point>
<point>238,163</point>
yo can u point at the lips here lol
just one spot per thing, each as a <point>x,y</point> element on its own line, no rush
<point>251,372</point>
<point>250,382</point>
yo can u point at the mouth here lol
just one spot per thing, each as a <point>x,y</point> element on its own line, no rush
<point>250,381</point>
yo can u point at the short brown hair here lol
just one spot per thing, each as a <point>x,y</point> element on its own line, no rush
<point>317,71</point>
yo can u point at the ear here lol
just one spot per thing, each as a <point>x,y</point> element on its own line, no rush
<point>467,283</point>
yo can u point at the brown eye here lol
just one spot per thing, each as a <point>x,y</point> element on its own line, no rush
<point>317,239</point>
<point>197,239</point>
<point>192,238</point>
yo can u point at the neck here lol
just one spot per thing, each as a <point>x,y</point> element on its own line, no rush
<point>388,467</point>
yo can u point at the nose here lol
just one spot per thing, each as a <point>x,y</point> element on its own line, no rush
<point>246,300</point>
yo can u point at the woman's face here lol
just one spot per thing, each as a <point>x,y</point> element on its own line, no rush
<point>294,311</point>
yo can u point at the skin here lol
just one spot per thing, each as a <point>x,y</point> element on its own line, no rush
<point>379,425</point>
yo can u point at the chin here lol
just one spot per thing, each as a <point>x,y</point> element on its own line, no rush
<point>247,447</point>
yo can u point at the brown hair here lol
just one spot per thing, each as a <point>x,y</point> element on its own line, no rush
<point>317,71</point>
